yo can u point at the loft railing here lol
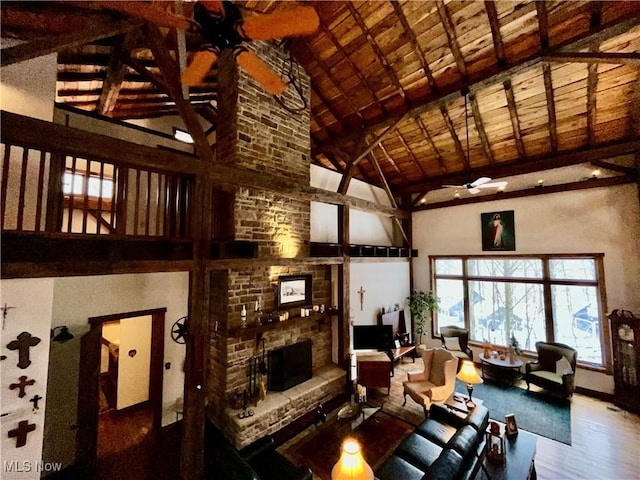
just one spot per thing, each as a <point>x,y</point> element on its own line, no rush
<point>49,186</point>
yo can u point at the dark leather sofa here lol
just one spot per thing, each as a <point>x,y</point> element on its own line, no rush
<point>443,447</point>
<point>258,461</point>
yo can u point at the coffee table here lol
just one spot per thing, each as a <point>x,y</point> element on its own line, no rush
<point>500,370</point>
<point>520,452</point>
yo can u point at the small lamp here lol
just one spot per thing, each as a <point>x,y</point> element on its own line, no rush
<point>62,336</point>
<point>495,443</point>
<point>351,465</point>
<point>469,375</point>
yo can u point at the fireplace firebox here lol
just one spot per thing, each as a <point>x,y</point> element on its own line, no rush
<point>289,366</point>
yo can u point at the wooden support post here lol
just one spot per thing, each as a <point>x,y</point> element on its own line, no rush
<point>54,193</point>
<point>344,289</point>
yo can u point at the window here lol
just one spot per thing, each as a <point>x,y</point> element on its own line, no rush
<point>535,298</point>
<point>74,183</point>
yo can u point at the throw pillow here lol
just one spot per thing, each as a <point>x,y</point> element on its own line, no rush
<point>563,367</point>
<point>452,343</point>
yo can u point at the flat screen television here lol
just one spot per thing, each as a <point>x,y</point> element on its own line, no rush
<point>372,337</point>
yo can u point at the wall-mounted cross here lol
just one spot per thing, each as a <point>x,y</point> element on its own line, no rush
<point>20,433</point>
<point>21,385</point>
<point>36,398</point>
<point>24,342</point>
<point>361,293</point>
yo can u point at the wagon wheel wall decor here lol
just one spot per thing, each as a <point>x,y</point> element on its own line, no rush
<point>179,330</point>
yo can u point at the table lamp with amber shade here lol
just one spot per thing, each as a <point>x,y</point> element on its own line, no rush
<point>351,465</point>
<point>469,375</point>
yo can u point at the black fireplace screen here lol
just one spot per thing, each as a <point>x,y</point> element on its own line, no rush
<point>289,366</point>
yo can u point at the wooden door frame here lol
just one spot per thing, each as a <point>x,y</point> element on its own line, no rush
<point>88,379</point>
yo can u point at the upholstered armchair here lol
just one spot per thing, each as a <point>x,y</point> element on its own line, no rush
<point>555,368</point>
<point>436,383</point>
<point>456,339</point>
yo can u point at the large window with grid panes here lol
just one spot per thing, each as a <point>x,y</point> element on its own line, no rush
<point>552,298</point>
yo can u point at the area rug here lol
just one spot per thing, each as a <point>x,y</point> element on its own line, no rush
<point>320,449</point>
<point>535,412</point>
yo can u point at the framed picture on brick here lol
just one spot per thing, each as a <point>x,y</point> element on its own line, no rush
<point>294,290</point>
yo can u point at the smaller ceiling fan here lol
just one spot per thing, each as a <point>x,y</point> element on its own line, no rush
<point>475,186</point>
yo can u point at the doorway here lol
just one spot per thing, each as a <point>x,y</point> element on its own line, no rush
<point>124,351</point>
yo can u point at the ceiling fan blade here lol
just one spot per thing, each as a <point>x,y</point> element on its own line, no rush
<point>260,72</point>
<point>197,70</point>
<point>287,23</point>
<point>480,181</point>
<point>492,185</point>
<point>158,13</point>
<point>473,190</point>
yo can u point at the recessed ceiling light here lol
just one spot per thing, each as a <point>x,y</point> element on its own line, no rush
<point>596,173</point>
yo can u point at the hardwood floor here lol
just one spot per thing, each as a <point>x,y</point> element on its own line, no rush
<point>605,439</point>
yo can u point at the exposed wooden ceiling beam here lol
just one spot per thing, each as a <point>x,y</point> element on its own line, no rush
<point>533,164</point>
<point>565,187</point>
<point>115,74</point>
<point>391,161</point>
<point>171,73</point>
<point>452,39</point>
<point>432,145</point>
<point>354,68</point>
<point>407,148</point>
<point>148,75</point>
<point>593,57</point>
<point>543,24</point>
<point>515,123</point>
<point>52,44</point>
<point>551,107</point>
<point>335,83</point>
<point>376,165</point>
<point>477,118</point>
<point>454,136</point>
<point>592,77</point>
<point>491,76</point>
<point>494,23</point>
<point>349,169</point>
<point>355,14</point>
<point>416,45</point>
<point>329,106</point>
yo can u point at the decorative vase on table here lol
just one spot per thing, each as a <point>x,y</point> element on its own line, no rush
<point>512,355</point>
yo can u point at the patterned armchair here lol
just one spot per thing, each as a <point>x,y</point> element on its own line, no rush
<point>555,369</point>
<point>436,383</point>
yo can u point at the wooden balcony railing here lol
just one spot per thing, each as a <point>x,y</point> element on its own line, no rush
<point>49,186</point>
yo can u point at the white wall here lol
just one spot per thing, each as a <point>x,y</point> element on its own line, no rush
<point>365,228</point>
<point>597,220</point>
<point>30,302</point>
<point>29,88</point>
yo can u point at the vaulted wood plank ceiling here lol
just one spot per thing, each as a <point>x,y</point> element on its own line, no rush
<point>440,91</point>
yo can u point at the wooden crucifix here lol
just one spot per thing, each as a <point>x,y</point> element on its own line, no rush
<point>24,342</point>
<point>21,385</point>
<point>361,293</point>
<point>20,433</point>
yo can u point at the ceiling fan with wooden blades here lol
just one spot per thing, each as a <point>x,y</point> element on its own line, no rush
<point>223,26</point>
<point>475,186</point>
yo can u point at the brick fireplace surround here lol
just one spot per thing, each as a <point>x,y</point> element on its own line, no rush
<point>258,134</point>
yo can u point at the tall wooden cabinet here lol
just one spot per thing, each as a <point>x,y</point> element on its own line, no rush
<point>625,340</point>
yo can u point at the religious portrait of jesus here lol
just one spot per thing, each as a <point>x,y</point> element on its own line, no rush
<point>498,231</point>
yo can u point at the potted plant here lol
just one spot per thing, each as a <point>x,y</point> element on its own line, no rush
<point>421,304</point>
